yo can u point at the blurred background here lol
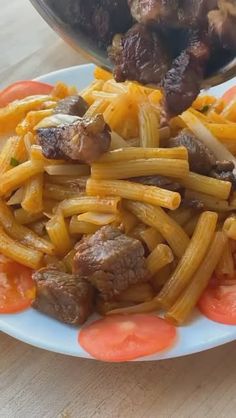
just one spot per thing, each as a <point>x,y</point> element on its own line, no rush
<point>28,45</point>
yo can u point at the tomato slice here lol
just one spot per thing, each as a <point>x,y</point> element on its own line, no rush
<point>229,95</point>
<point>126,337</point>
<point>17,288</point>
<point>22,89</point>
<point>218,303</point>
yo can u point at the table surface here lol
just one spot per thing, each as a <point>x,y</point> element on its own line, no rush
<point>39,384</point>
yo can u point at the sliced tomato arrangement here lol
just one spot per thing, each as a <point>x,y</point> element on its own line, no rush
<point>127,337</point>
<point>17,288</point>
<point>218,302</point>
<point>22,89</point>
<point>229,95</point>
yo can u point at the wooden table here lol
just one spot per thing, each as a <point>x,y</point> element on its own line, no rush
<point>38,384</point>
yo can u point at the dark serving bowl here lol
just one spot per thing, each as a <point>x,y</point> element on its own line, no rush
<point>54,13</point>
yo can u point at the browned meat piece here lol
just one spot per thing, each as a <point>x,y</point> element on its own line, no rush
<point>100,19</point>
<point>111,261</point>
<point>192,203</point>
<point>73,105</point>
<point>201,159</point>
<point>228,6</point>
<point>65,297</point>
<point>158,181</point>
<point>194,12</point>
<point>223,170</point>
<point>182,82</point>
<point>85,140</point>
<point>224,166</point>
<point>225,176</point>
<point>154,11</point>
<point>223,26</point>
<point>141,56</point>
<point>171,13</point>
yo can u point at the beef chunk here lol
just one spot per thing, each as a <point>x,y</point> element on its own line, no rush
<point>225,176</point>
<point>192,203</point>
<point>85,140</point>
<point>99,19</point>
<point>141,56</point>
<point>111,261</point>
<point>201,159</point>
<point>223,170</point>
<point>154,11</point>
<point>171,13</point>
<point>158,181</point>
<point>65,297</point>
<point>73,105</point>
<point>182,82</point>
<point>224,166</point>
<point>223,25</point>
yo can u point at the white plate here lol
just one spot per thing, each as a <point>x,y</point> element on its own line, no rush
<point>41,331</point>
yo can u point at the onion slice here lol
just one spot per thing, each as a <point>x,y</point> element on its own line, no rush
<point>207,138</point>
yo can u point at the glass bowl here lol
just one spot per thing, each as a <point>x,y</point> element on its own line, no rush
<point>54,13</point>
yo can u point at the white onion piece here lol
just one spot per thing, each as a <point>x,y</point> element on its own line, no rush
<point>28,141</point>
<point>68,170</point>
<point>56,120</point>
<point>117,142</point>
<point>207,138</point>
<point>17,197</point>
<point>96,218</point>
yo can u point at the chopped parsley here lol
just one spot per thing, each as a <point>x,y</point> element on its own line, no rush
<point>205,109</point>
<point>14,162</point>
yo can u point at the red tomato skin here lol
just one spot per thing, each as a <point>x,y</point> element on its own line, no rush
<point>121,338</point>
<point>22,89</point>
<point>218,305</point>
<point>17,288</point>
<point>229,95</point>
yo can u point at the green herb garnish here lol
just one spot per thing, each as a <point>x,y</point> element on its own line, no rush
<point>14,162</point>
<point>205,109</point>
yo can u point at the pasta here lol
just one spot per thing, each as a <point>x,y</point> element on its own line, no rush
<point>188,299</point>
<point>168,228</point>
<point>134,191</point>
<point>135,153</point>
<point>230,227</point>
<point>213,187</point>
<point>22,233</point>
<point>18,252</point>
<point>190,261</point>
<point>33,199</point>
<point>225,266</point>
<point>136,168</point>
<point>151,237</point>
<point>148,126</point>
<point>18,175</point>
<point>159,258</point>
<point>59,234</point>
<point>84,204</point>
